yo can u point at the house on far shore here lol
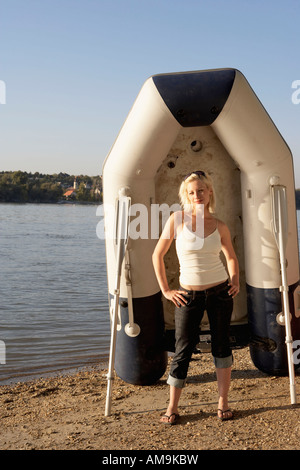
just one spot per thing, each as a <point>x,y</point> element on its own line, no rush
<point>70,194</point>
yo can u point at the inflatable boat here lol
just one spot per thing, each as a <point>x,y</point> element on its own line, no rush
<point>213,121</point>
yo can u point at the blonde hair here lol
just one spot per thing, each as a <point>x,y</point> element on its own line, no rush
<point>206,179</point>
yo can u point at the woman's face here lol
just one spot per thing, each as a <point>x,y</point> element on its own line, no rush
<point>198,192</point>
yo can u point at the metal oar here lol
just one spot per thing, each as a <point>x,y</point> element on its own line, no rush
<point>280,226</point>
<point>121,238</point>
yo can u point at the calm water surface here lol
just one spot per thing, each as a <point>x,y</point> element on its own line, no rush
<point>53,291</point>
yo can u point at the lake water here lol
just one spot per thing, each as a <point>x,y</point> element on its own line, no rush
<point>53,291</point>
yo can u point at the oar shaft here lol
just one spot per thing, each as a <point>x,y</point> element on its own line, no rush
<point>110,374</point>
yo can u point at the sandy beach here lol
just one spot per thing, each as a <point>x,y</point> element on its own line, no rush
<point>67,412</point>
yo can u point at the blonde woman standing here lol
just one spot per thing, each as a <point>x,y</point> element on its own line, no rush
<point>205,284</point>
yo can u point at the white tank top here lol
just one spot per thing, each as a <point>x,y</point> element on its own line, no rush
<point>199,258</point>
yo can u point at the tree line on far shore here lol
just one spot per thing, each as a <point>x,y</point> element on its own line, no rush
<point>20,186</point>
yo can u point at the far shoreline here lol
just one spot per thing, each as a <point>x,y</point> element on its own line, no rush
<point>83,203</point>
<point>28,377</point>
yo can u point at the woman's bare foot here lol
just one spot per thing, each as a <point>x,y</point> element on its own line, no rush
<point>224,412</point>
<point>224,415</point>
<point>169,418</point>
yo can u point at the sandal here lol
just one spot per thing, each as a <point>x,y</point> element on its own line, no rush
<point>223,417</point>
<point>170,423</point>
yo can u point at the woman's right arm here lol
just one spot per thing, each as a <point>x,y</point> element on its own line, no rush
<point>159,253</point>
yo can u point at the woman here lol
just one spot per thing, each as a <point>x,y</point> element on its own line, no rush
<point>204,286</point>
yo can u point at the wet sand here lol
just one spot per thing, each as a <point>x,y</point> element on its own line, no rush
<point>67,412</point>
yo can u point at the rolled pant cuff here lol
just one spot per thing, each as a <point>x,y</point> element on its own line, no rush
<point>223,362</point>
<point>179,383</point>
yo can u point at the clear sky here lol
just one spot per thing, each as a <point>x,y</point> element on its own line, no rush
<point>73,68</point>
